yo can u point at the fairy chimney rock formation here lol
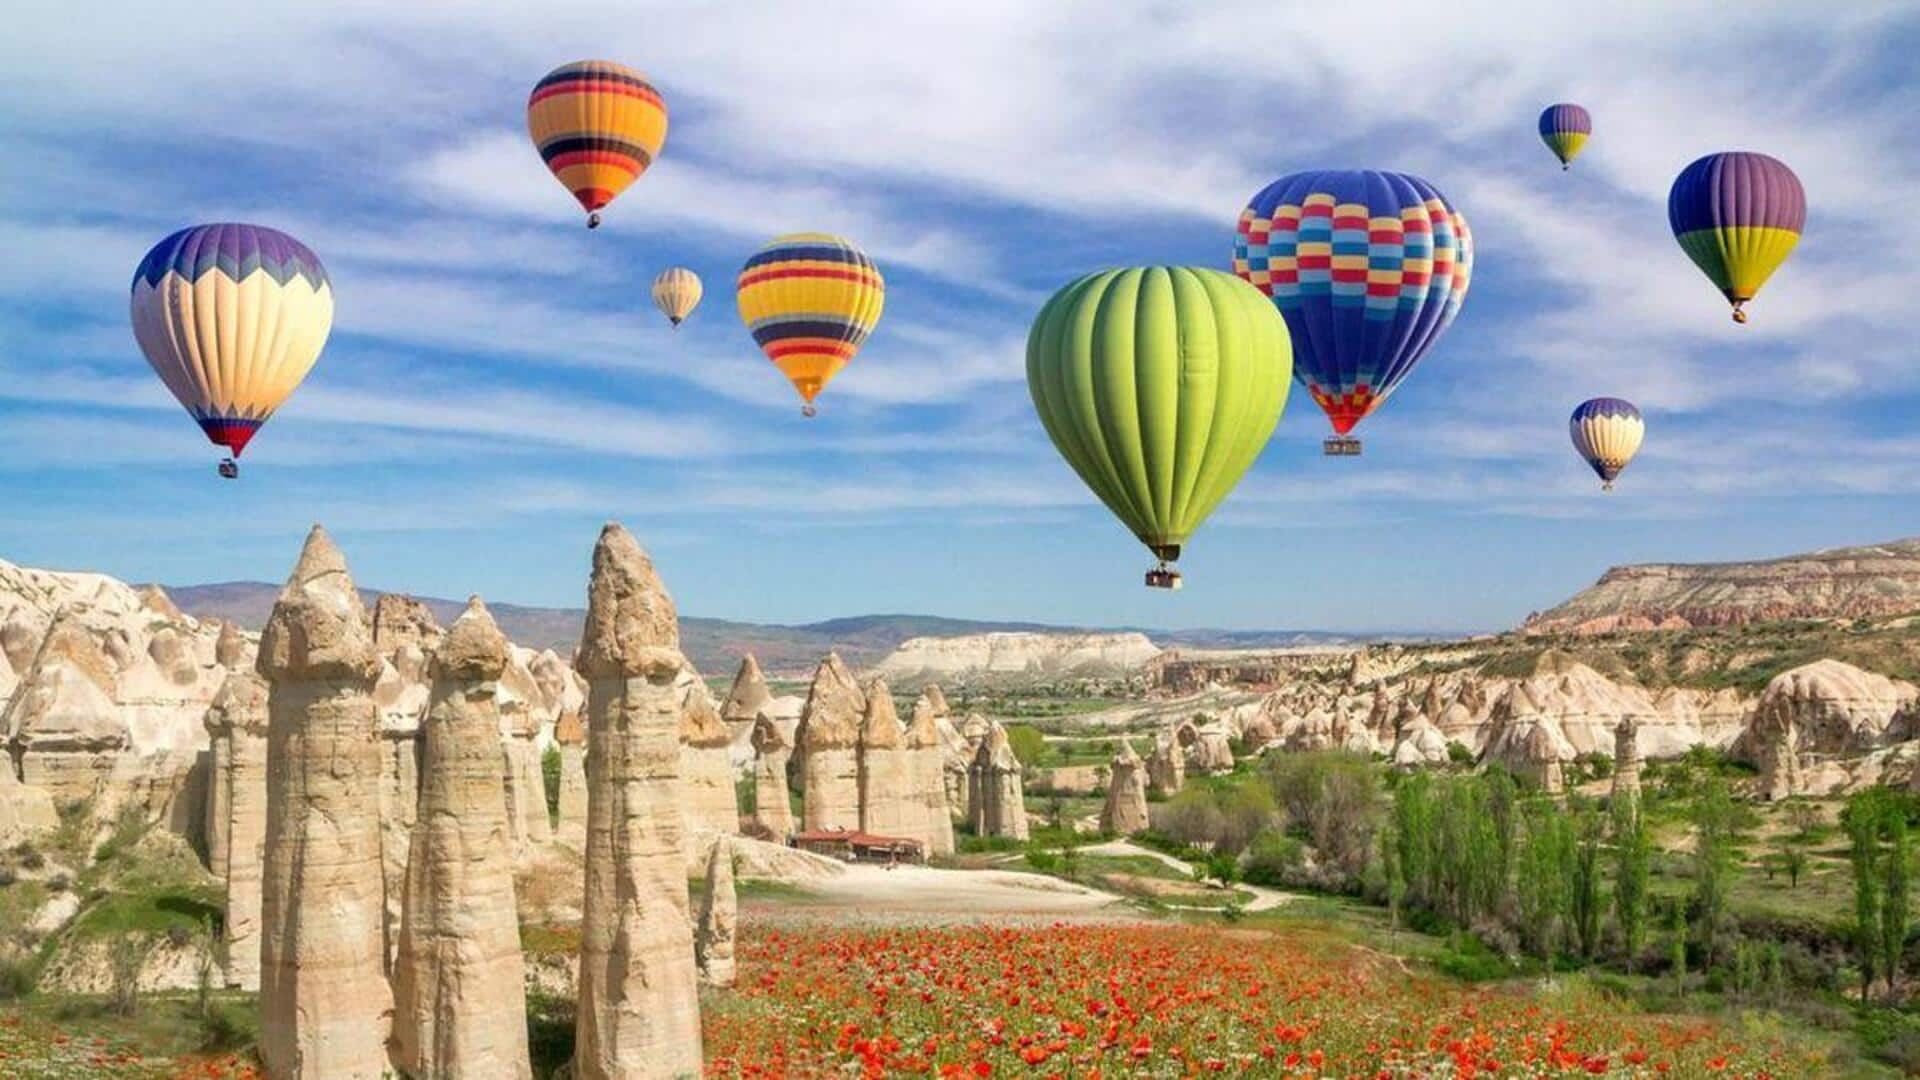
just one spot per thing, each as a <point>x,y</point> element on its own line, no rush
<point>749,696</point>
<point>772,806</point>
<point>1167,768</point>
<point>887,806</point>
<point>231,648</point>
<point>928,809</point>
<point>713,942</point>
<point>525,796</point>
<point>459,997</point>
<point>1125,812</point>
<point>68,733</point>
<point>1000,809</point>
<point>326,1009</point>
<point>400,621</point>
<point>1810,716</point>
<point>638,1013</point>
<point>237,817</point>
<point>936,699</point>
<point>571,735</point>
<point>1626,759</point>
<point>829,737</point>
<point>706,766</point>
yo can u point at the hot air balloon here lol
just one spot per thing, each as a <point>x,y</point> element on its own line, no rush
<point>1606,432</point>
<point>810,300</point>
<point>231,317</point>
<point>1368,268</point>
<point>1738,216</point>
<point>597,125</point>
<point>1565,128</point>
<point>676,292</point>
<point>1159,385</point>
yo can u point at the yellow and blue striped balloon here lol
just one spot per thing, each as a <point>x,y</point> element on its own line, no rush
<point>1606,433</point>
<point>810,300</point>
<point>232,317</point>
<point>598,125</point>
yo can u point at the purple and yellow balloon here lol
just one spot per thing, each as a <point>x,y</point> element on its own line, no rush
<point>1738,216</point>
<point>1565,129</point>
<point>1606,433</point>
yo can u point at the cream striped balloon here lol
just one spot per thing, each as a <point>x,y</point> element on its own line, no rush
<point>676,292</point>
<point>1607,432</point>
<point>231,317</point>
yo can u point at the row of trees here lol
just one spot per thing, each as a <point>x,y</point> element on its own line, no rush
<point>1553,878</point>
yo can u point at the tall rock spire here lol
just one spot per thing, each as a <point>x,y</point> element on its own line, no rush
<point>459,999</point>
<point>828,741</point>
<point>638,1002</point>
<point>326,1009</point>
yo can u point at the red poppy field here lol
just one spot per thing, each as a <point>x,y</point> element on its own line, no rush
<point>1172,1001</point>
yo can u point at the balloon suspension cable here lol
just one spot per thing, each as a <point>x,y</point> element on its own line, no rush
<point>809,410</point>
<point>593,220</point>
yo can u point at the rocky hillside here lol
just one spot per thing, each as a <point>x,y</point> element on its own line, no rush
<point>1018,656</point>
<point>1847,583</point>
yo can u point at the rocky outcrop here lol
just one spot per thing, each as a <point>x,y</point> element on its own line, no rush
<point>828,743</point>
<point>887,805</point>
<point>571,736</point>
<point>713,941</point>
<point>1208,749</point>
<point>459,994</point>
<point>638,1005</point>
<point>237,818</point>
<point>706,766</point>
<point>400,698</point>
<point>325,1006</point>
<point>522,713</point>
<point>1018,655</point>
<point>1417,740</point>
<point>772,803</point>
<point>68,733</point>
<point>1527,742</point>
<point>997,806</point>
<point>748,697</point>
<point>929,810</point>
<point>401,622</point>
<point>1812,716</point>
<point>1167,766</point>
<point>25,812</point>
<point>1881,579</point>
<point>1125,812</point>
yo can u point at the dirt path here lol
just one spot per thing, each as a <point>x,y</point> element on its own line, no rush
<point>1264,899</point>
<point>928,894</point>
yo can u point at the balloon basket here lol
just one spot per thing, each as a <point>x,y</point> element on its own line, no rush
<point>1163,577</point>
<point>228,468</point>
<point>809,411</point>
<point>593,220</point>
<point>1340,446</point>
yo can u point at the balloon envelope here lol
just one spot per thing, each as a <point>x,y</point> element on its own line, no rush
<point>810,300</point>
<point>1565,129</point>
<point>1159,385</point>
<point>1738,216</point>
<point>1607,433</point>
<point>232,317</point>
<point>598,125</point>
<point>676,292</point>
<point>1368,268</point>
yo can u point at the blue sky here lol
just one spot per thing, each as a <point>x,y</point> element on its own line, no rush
<point>498,384</point>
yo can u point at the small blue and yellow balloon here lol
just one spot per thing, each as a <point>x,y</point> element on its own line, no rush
<point>1565,128</point>
<point>1606,433</point>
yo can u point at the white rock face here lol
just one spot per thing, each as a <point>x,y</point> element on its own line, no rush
<point>25,812</point>
<point>1009,654</point>
<point>706,765</point>
<point>1813,716</point>
<point>887,803</point>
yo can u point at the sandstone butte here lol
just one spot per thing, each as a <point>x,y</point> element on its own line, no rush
<point>638,1008</point>
<point>326,1009</point>
<point>460,1003</point>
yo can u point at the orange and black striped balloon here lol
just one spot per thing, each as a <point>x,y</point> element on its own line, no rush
<point>597,125</point>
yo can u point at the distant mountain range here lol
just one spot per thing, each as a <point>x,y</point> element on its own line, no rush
<point>1838,583</point>
<point>716,645</point>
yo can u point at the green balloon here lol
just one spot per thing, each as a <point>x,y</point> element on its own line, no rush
<point>1159,385</point>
